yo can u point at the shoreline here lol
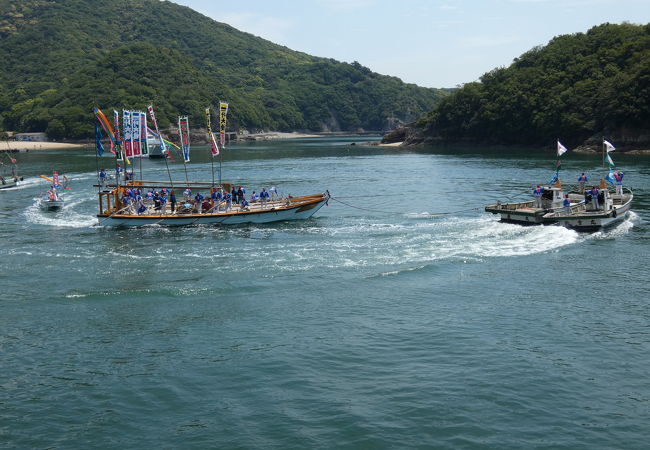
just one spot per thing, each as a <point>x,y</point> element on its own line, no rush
<point>28,146</point>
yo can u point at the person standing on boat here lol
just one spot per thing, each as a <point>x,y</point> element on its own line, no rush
<point>264,197</point>
<point>102,178</point>
<point>582,179</point>
<point>274,192</point>
<point>187,193</point>
<point>198,202</point>
<point>618,177</point>
<point>172,201</point>
<point>567,205</point>
<point>228,198</point>
<point>233,193</point>
<point>240,194</point>
<point>118,171</point>
<point>594,197</point>
<point>537,192</point>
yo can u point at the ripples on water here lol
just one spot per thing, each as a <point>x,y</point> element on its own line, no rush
<point>356,329</point>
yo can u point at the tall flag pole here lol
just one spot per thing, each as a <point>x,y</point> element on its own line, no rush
<point>163,149</point>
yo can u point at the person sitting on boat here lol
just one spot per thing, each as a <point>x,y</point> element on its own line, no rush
<point>102,178</point>
<point>537,192</point>
<point>149,196</point>
<point>594,197</point>
<point>567,205</point>
<point>141,208</point>
<point>187,193</point>
<point>254,197</point>
<point>582,179</point>
<point>51,195</point>
<point>206,206</point>
<point>618,178</point>
<point>243,205</point>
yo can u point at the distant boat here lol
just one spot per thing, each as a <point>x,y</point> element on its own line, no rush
<point>580,215</point>
<point>9,172</point>
<point>586,210</point>
<point>53,199</point>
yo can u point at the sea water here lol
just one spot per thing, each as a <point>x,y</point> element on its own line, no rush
<point>400,316</point>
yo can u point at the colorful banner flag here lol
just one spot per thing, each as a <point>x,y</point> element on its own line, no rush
<point>144,143</point>
<point>223,111</point>
<point>163,148</point>
<point>610,161</point>
<point>55,180</point>
<point>561,149</point>
<point>127,126</point>
<point>98,140</point>
<point>118,139</point>
<point>135,133</point>
<point>610,176</point>
<point>104,123</point>
<point>213,143</point>
<point>184,134</point>
<point>608,146</point>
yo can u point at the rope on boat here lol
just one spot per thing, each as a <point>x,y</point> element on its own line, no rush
<point>401,213</point>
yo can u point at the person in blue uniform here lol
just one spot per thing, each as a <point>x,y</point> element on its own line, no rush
<point>198,202</point>
<point>537,192</point>
<point>102,178</point>
<point>582,179</point>
<point>594,197</point>
<point>567,205</point>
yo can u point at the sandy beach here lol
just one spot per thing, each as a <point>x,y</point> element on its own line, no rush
<point>28,146</point>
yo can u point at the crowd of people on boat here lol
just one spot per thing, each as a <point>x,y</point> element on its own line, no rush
<point>155,201</point>
<point>593,196</point>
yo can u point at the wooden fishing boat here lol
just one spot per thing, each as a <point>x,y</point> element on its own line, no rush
<point>115,212</point>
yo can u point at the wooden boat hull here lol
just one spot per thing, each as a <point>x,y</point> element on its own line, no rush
<point>522,213</point>
<point>299,208</point>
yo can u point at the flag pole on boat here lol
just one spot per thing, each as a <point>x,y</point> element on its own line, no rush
<point>183,127</point>
<point>163,149</point>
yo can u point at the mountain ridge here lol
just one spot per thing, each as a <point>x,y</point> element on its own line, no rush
<point>63,58</point>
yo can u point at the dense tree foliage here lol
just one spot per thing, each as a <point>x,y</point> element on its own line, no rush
<point>61,58</point>
<point>575,87</point>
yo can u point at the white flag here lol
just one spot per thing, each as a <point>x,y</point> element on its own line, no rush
<point>561,149</point>
<point>609,146</point>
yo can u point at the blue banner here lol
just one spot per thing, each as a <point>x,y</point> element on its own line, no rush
<point>98,140</point>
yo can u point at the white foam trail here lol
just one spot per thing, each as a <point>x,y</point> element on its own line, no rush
<point>66,218</point>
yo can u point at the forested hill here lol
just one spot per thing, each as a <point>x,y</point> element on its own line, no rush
<point>577,88</point>
<point>62,57</point>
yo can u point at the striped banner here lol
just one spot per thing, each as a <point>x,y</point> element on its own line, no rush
<point>223,111</point>
<point>184,133</point>
<point>213,143</point>
<point>163,149</point>
<point>135,133</point>
<point>127,125</point>
<point>144,143</point>
<point>118,139</point>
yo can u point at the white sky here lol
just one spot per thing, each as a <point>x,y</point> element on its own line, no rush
<point>433,43</point>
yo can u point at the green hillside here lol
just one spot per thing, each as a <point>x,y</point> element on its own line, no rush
<point>62,57</point>
<point>576,88</point>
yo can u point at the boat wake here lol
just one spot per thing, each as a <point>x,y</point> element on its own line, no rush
<point>65,218</point>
